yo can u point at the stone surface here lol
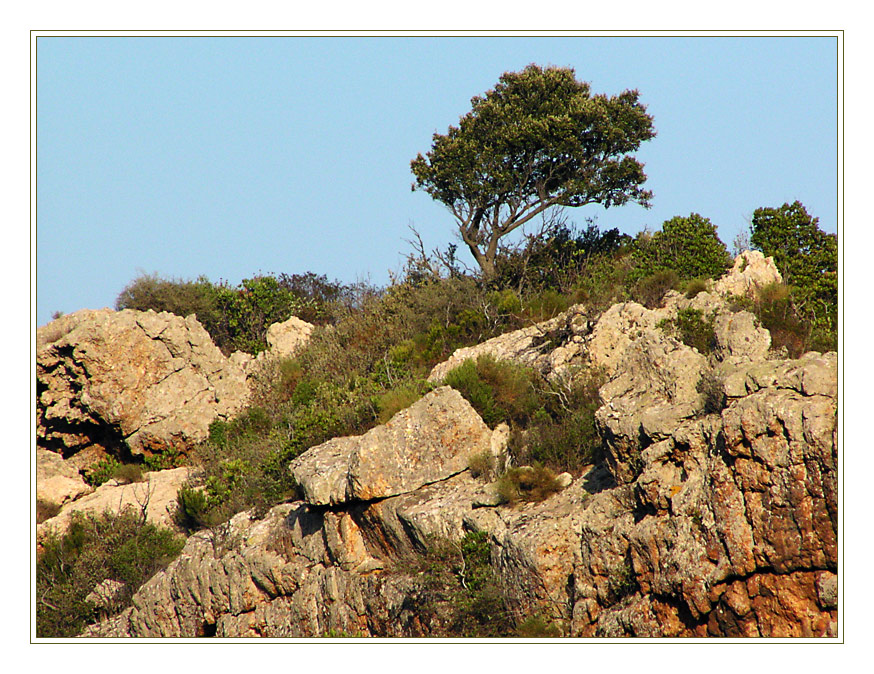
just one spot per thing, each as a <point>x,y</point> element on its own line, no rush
<point>157,495</point>
<point>551,346</point>
<point>431,440</point>
<point>701,521</point>
<point>57,482</point>
<point>132,380</point>
<point>751,270</point>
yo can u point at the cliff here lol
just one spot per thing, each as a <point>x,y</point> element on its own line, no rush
<point>712,513</point>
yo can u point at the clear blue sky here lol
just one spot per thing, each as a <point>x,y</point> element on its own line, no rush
<point>232,156</point>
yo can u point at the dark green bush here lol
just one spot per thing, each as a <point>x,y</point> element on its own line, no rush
<point>693,329</point>
<point>807,258</point>
<point>650,290</point>
<point>778,314</point>
<point>688,246</point>
<point>102,471</point>
<point>556,258</point>
<point>116,547</point>
<point>180,297</point>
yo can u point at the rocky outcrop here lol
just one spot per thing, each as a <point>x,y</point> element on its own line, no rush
<point>714,512</point>
<point>57,482</point>
<point>429,441</point>
<point>751,271</point>
<point>550,346</point>
<point>138,381</point>
<point>283,341</point>
<point>154,498</point>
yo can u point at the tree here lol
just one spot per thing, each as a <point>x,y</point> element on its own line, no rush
<point>805,255</point>
<point>689,246</point>
<point>538,139</point>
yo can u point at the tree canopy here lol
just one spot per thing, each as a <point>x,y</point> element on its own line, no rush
<point>539,139</point>
<point>805,255</point>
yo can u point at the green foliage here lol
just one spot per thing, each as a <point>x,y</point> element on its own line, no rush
<point>237,318</point>
<point>497,390</point>
<point>116,547</point>
<point>562,434</point>
<point>693,329</point>
<point>170,458</point>
<point>178,296</point>
<point>688,246</point>
<point>538,627</point>
<point>538,139</point>
<point>807,258</point>
<point>560,257</point>
<point>102,471</point>
<point>46,510</point>
<point>776,310</point>
<point>481,464</point>
<point>695,286</point>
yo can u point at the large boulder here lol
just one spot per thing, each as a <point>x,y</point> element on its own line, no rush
<point>142,381</point>
<point>429,441</point>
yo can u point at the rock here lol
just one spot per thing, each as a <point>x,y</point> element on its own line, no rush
<point>751,271</point>
<point>286,338</point>
<point>105,594</point>
<point>283,340</point>
<point>57,482</point>
<point>132,380</point>
<point>550,347</point>
<point>702,520</point>
<point>429,441</point>
<point>157,495</point>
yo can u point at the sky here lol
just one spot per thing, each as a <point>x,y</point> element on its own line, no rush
<point>229,156</point>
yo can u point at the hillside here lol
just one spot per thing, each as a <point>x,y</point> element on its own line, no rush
<point>597,467</point>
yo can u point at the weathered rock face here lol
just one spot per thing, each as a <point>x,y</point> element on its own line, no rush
<point>751,271</point>
<point>155,497</point>
<point>57,482</point>
<point>145,381</point>
<point>429,441</point>
<point>550,346</point>
<point>283,340</point>
<point>714,514</point>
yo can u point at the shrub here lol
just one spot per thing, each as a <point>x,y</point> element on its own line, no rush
<point>527,483</point>
<point>102,471</point>
<point>178,296</point>
<point>95,548</point>
<point>693,329</point>
<point>689,246</point>
<point>806,256</point>
<point>538,627</point>
<point>562,435</point>
<point>128,473</point>
<point>650,290</point>
<point>481,464</point>
<point>712,390</point>
<point>695,286</point>
<point>777,313</point>
<point>556,257</point>
<point>497,390</point>
<point>46,510</point>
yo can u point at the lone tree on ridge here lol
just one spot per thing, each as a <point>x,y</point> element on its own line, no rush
<point>538,139</point>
